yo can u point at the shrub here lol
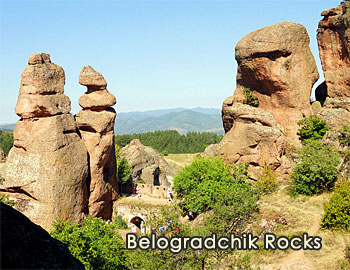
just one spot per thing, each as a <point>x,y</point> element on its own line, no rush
<point>250,99</point>
<point>267,182</point>
<point>347,253</point>
<point>316,170</point>
<point>124,170</point>
<point>5,199</point>
<point>96,244</point>
<point>312,128</point>
<point>207,184</point>
<point>120,223</point>
<point>6,141</point>
<point>337,210</point>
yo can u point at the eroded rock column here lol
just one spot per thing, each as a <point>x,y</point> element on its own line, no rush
<point>47,168</point>
<point>96,125</point>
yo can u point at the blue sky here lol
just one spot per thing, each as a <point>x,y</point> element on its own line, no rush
<point>153,54</point>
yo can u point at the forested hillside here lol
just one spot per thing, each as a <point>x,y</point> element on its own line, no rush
<point>170,141</point>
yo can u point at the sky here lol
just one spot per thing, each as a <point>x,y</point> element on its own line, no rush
<point>153,54</point>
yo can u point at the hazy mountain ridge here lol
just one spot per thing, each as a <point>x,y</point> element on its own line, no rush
<point>181,119</point>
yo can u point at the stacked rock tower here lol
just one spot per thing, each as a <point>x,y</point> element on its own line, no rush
<point>96,125</point>
<point>47,168</point>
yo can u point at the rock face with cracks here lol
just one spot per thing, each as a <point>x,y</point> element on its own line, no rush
<point>276,64</point>
<point>333,36</point>
<point>96,125</point>
<point>41,173</point>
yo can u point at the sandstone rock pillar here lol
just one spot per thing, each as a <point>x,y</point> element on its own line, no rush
<point>47,168</point>
<point>96,125</point>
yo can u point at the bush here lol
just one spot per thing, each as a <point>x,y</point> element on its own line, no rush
<point>267,182</point>
<point>124,170</point>
<point>120,223</point>
<point>250,99</point>
<point>316,170</point>
<point>312,128</point>
<point>5,199</point>
<point>337,210</point>
<point>6,141</point>
<point>94,243</point>
<point>207,184</point>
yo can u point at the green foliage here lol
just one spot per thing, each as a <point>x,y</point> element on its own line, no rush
<point>6,141</point>
<point>164,153</point>
<point>267,182</point>
<point>5,199</point>
<point>124,170</point>
<point>210,185</point>
<point>140,181</point>
<point>312,128</point>
<point>250,99</point>
<point>94,243</point>
<point>171,141</point>
<point>120,223</point>
<point>316,170</point>
<point>337,210</point>
<point>344,137</point>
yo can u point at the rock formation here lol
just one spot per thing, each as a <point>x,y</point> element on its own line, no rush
<point>146,163</point>
<point>46,169</point>
<point>333,36</point>
<point>277,65</point>
<point>25,245</point>
<point>253,137</point>
<point>96,125</point>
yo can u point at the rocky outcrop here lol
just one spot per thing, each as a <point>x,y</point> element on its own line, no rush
<point>96,125</point>
<point>253,137</point>
<point>333,36</point>
<point>277,65</point>
<point>25,245</point>
<point>46,170</point>
<point>336,112</point>
<point>210,150</point>
<point>146,163</point>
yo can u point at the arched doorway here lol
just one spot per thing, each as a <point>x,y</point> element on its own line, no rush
<point>137,221</point>
<point>156,174</point>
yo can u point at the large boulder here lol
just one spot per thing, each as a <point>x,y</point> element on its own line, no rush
<point>96,125</point>
<point>47,168</point>
<point>253,138</point>
<point>146,163</point>
<point>25,245</point>
<point>276,64</point>
<point>333,36</point>
<point>336,112</point>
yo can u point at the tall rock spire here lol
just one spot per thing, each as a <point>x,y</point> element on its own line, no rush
<point>96,125</point>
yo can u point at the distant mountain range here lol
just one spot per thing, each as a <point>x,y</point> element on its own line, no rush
<point>181,119</point>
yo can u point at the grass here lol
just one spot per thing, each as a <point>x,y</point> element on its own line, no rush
<point>179,161</point>
<point>303,214</point>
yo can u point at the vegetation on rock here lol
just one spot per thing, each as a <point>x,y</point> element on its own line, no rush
<point>337,210</point>
<point>250,99</point>
<point>344,137</point>
<point>316,170</point>
<point>312,128</point>
<point>171,142</point>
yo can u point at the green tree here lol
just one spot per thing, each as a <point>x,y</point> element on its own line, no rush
<point>6,141</point>
<point>250,99</point>
<point>337,210</point>
<point>96,244</point>
<point>124,170</point>
<point>316,170</point>
<point>267,180</point>
<point>312,128</point>
<point>209,184</point>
